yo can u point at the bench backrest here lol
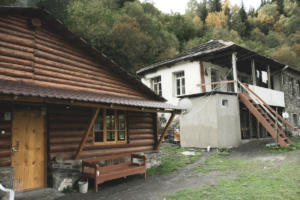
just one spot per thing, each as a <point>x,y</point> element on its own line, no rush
<point>109,159</point>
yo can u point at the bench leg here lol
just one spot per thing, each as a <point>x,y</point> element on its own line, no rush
<point>96,186</point>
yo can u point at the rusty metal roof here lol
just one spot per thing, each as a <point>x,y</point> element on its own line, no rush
<point>8,87</point>
<point>58,26</point>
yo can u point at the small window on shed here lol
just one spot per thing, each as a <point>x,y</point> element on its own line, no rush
<point>225,102</point>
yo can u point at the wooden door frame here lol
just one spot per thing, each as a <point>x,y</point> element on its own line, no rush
<point>45,133</point>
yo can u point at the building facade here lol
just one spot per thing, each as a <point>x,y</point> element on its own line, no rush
<point>62,101</point>
<point>218,68</point>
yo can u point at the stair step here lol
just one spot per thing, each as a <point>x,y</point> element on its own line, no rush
<point>258,111</point>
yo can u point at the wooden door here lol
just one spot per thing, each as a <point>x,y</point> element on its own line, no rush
<point>28,150</point>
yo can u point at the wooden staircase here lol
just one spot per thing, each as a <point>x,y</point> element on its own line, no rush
<point>268,118</point>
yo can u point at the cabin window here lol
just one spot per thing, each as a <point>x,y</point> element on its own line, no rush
<point>156,85</point>
<point>179,83</point>
<point>110,127</point>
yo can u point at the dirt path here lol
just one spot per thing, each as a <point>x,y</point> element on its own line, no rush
<point>155,186</point>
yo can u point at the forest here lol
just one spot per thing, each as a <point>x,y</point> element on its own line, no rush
<point>136,34</point>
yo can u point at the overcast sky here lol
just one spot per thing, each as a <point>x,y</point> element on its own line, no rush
<point>168,6</point>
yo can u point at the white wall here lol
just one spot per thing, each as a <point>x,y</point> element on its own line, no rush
<point>192,78</point>
<point>199,127</point>
<point>271,97</point>
<point>209,123</point>
<point>191,74</point>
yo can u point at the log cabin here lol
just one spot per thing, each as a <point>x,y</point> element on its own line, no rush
<point>63,100</point>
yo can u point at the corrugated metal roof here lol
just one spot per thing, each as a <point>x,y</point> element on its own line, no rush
<point>8,87</point>
<point>212,47</point>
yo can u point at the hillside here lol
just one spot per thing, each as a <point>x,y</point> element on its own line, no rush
<point>137,34</point>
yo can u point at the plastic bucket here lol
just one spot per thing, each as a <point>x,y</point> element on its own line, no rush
<point>83,186</point>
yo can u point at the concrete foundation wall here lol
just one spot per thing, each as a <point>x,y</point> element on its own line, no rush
<point>210,123</point>
<point>199,127</point>
<point>229,128</point>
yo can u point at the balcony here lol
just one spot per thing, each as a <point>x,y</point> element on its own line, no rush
<point>271,97</point>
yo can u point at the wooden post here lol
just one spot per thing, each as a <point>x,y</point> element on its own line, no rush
<point>165,131</point>
<point>258,129</point>
<point>269,76</point>
<point>250,125</point>
<point>234,59</point>
<point>86,134</point>
<point>253,71</point>
<point>203,87</point>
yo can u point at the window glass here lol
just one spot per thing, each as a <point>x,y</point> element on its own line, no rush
<point>99,136</point>
<point>156,85</point>
<point>110,126</point>
<point>179,83</point>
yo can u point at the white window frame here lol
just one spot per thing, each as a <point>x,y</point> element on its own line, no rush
<point>181,80</point>
<point>156,85</point>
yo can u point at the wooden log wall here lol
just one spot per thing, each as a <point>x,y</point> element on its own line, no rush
<point>5,139</point>
<point>66,127</point>
<point>44,58</point>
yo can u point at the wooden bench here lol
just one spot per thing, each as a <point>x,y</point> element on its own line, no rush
<point>113,167</point>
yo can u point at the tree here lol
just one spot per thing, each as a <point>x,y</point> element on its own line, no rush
<point>56,7</point>
<point>280,6</point>
<point>216,19</point>
<point>202,11</point>
<point>192,7</point>
<point>215,5</point>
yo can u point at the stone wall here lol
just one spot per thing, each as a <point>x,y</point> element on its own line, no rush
<point>291,88</point>
<point>6,178</point>
<point>153,158</point>
<point>65,173</point>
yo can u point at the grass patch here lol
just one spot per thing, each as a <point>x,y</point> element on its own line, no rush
<point>276,183</point>
<point>278,149</point>
<point>172,159</point>
<point>219,163</point>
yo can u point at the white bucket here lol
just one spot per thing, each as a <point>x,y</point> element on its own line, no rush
<point>83,186</point>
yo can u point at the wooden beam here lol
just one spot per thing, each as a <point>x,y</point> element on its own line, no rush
<point>86,134</point>
<point>234,70</point>
<point>269,76</point>
<point>202,77</point>
<point>165,131</point>
<point>216,83</point>
<point>253,71</point>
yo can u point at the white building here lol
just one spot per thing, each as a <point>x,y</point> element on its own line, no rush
<point>221,116</point>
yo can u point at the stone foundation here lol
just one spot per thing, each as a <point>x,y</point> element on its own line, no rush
<point>153,158</point>
<point>6,178</point>
<point>65,173</point>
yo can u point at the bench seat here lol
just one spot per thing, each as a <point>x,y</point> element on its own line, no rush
<point>91,168</point>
